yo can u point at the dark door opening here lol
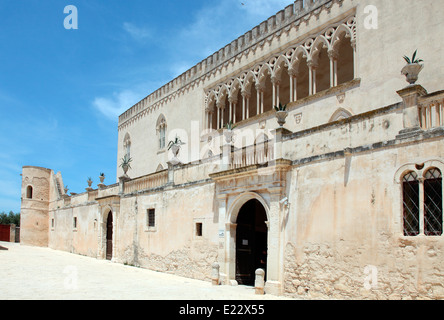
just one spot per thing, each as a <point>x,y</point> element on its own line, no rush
<point>251,242</point>
<point>109,236</point>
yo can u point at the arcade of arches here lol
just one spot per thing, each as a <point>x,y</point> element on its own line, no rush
<point>315,65</point>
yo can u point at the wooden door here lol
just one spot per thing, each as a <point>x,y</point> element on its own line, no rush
<point>251,242</point>
<point>5,233</point>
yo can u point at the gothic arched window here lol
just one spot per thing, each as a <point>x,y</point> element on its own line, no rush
<point>161,131</point>
<point>29,192</point>
<point>127,145</point>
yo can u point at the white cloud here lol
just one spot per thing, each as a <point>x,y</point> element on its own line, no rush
<point>137,33</point>
<point>114,106</point>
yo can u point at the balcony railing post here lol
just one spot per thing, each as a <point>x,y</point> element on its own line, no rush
<point>278,142</point>
<point>411,109</point>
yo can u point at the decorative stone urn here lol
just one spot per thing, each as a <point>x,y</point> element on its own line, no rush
<point>228,134</point>
<point>281,117</point>
<point>125,168</point>
<point>411,71</point>
<point>90,182</point>
<point>175,148</point>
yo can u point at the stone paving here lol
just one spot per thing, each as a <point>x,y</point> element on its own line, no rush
<point>31,273</point>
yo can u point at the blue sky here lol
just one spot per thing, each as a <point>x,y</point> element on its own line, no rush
<point>61,90</point>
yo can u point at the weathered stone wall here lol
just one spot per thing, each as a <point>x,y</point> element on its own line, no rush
<point>407,269</point>
<point>337,227</point>
<point>172,245</point>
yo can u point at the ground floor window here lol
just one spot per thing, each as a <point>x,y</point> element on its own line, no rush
<point>151,218</point>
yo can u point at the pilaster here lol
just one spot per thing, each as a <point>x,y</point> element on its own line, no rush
<point>410,111</point>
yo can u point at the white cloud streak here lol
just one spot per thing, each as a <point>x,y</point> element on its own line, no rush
<point>114,106</point>
<point>137,33</point>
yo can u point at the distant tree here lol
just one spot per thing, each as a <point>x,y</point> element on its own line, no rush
<point>11,218</point>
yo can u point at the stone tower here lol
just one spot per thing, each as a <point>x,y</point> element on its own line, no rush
<point>34,216</point>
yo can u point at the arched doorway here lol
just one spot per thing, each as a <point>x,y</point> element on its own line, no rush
<point>251,241</point>
<point>109,236</point>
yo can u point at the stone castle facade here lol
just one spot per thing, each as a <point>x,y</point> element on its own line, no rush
<point>344,200</point>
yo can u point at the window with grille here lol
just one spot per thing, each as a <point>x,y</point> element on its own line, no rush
<point>433,203</point>
<point>422,203</point>
<point>410,190</point>
<point>151,218</point>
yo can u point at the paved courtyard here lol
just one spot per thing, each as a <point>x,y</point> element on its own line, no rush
<point>40,273</point>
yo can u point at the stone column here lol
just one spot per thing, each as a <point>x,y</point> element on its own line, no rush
<point>218,117</point>
<point>245,104</point>
<point>276,86</point>
<point>333,55</point>
<point>293,84</point>
<point>310,77</point>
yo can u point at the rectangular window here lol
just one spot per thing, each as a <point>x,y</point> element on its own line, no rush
<point>74,223</point>
<point>151,218</point>
<point>199,229</point>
